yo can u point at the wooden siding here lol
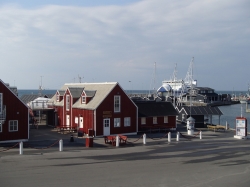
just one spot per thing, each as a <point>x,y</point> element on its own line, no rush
<point>128,109</point>
<point>160,121</point>
<point>15,110</point>
<point>88,119</point>
<point>95,122</point>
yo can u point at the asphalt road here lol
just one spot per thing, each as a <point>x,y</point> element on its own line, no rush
<point>216,160</point>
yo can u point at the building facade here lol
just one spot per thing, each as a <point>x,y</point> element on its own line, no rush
<point>14,115</point>
<point>103,108</point>
<point>158,115</point>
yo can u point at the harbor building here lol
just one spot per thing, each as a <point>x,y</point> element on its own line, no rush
<point>97,109</point>
<point>14,115</point>
<point>153,115</point>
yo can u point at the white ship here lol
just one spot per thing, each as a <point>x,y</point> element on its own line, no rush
<point>177,87</point>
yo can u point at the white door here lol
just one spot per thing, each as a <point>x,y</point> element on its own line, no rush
<point>81,122</point>
<point>106,126</point>
<point>67,120</point>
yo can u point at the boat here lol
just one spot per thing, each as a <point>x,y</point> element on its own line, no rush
<point>177,87</point>
<point>245,98</point>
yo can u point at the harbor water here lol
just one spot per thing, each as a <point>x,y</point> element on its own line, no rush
<point>230,112</point>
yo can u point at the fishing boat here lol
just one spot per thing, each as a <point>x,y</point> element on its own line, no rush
<point>245,98</point>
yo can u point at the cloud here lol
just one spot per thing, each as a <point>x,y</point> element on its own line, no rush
<point>122,42</point>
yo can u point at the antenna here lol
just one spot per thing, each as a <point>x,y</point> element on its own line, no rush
<point>153,80</point>
<point>189,77</point>
<point>80,79</point>
<point>174,78</point>
<point>41,86</point>
<point>154,75</point>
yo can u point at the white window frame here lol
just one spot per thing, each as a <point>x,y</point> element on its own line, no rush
<point>143,121</point>
<point>13,127</point>
<point>165,119</point>
<point>57,97</point>
<point>117,122</point>
<point>84,99</point>
<point>117,103</point>
<point>127,122</point>
<point>1,103</point>
<point>67,102</point>
<point>154,120</point>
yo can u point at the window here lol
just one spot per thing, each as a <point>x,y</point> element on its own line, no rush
<point>117,122</point>
<point>154,120</point>
<point>83,99</point>
<point>57,98</point>
<point>67,102</point>
<point>165,119</point>
<point>0,126</point>
<point>13,125</point>
<point>117,103</point>
<point>1,103</point>
<point>143,121</point>
<point>126,121</point>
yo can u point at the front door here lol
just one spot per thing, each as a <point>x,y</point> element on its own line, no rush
<point>67,120</point>
<point>81,123</point>
<point>106,126</point>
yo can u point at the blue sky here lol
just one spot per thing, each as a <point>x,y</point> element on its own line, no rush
<point>119,41</point>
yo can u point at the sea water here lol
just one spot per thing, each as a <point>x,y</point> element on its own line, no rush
<point>230,112</point>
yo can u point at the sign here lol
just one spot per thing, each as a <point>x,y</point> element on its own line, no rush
<point>107,114</point>
<point>241,126</point>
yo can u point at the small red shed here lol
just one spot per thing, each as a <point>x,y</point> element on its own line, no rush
<point>102,108</point>
<point>14,115</point>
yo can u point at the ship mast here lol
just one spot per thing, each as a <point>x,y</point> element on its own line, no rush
<point>189,77</point>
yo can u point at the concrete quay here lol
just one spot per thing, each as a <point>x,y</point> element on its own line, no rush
<point>216,160</point>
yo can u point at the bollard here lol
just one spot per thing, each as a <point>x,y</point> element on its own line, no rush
<point>200,135</point>
<point>71,138</point>
<point>144,139</point>
<point>227,126</point>
<point>169,137</point>
<point>21,148</point>
<point>61,145</point>
<point>177,136</point>
<point>117,141</point>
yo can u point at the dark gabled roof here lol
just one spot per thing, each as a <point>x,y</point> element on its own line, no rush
<point>90,93</point>
<point>152,108</point>
<point>76,91</point>
<point>61,92</point>
<point>199,110</point>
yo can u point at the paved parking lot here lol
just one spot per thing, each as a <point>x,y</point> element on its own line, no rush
<point>216,160</point>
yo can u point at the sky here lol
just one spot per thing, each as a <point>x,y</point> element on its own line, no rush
<point>137,43</point>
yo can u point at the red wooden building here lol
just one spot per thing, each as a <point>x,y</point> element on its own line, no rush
<point>103,108</point>
<point>14,115</point>
<point>156,115</point>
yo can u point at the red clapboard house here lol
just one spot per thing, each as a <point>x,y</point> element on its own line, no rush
<point>14,115</point>
<point>156,115</point>
<point>104,108</point>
